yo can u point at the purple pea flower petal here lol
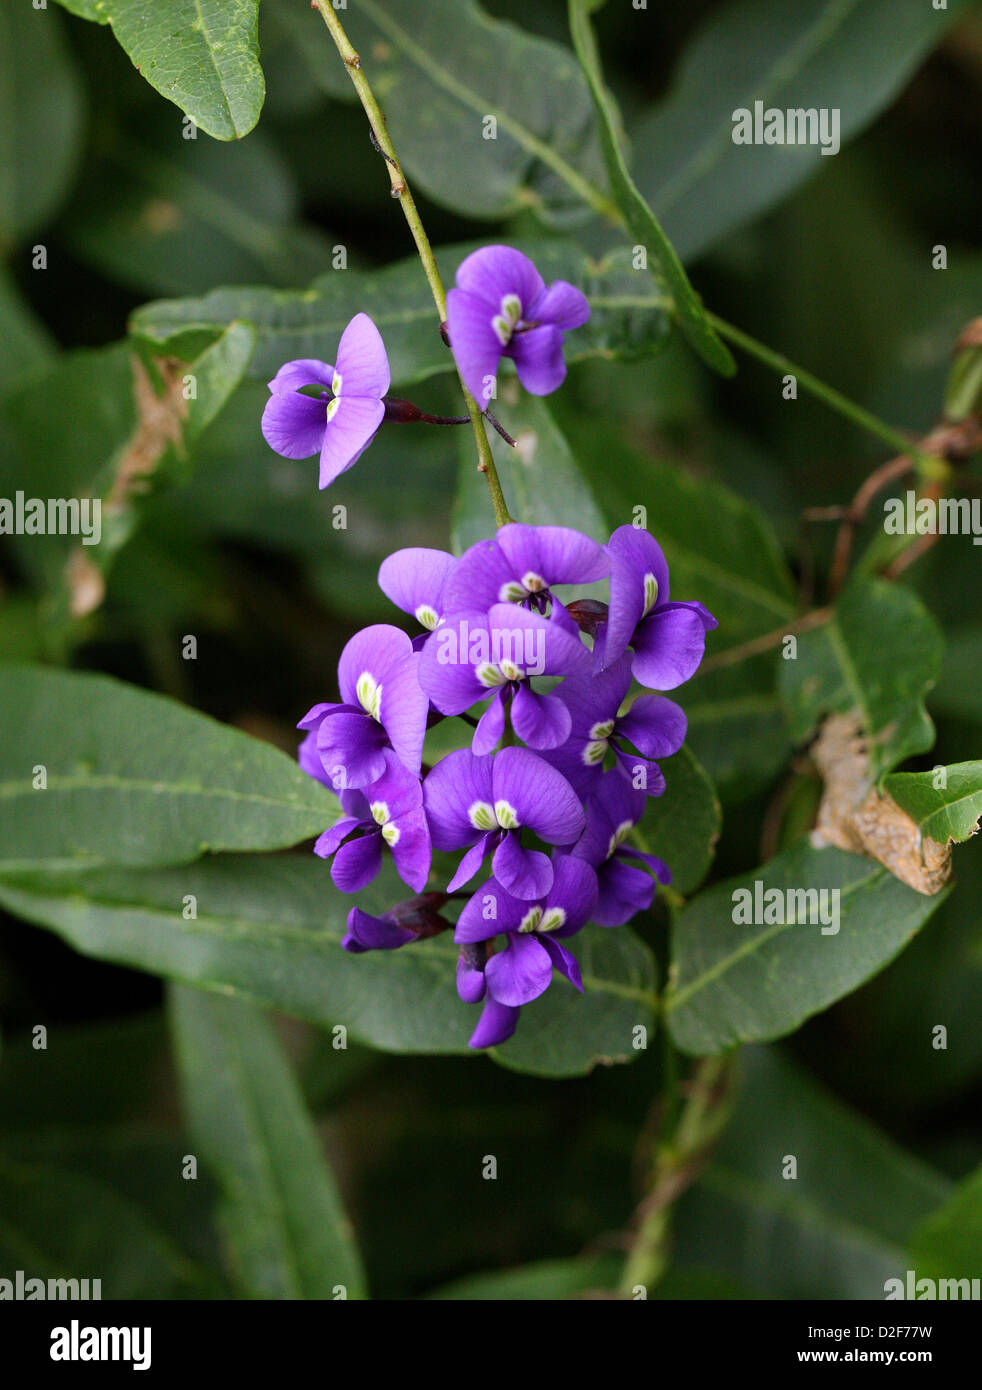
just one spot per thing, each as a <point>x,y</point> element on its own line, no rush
<point>668,638</point>
<point>562,911</point>
<point>368,933</point>
<point>341,421</point>
<point>377,673</point>
<point>611,814</point>
<point>414,579</point>
<point>519,973</point>
<point>389,813</point>
<point>522,564</point>
<point>502,308</point>
<point>497,1023</point>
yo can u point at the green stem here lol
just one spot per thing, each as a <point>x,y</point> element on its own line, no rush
<point>401,190</point>
<point>676,1164</point>
<point>835,400</point>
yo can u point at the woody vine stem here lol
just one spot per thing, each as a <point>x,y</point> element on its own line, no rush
<point>401,191</point>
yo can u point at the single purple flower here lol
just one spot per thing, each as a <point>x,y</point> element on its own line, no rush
<point>339,422</point>
<point>522,565</point>
<point>382,706</point>
<point>502,308</point>
<point>473,654</point>
<point>415,580</point>
<point>389,812</point>
<point>509,978</point>
<point>654,725</point>
<point>611,815</point>
<point>560,912</point>
<point>669,639</point>
<point>484,802</point>
<point>413,920</point>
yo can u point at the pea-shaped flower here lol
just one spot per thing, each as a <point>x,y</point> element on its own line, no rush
<point>503,308</point>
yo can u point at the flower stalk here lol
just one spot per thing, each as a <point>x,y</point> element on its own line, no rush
<point>400,189</point>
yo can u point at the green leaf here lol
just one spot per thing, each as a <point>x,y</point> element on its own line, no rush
<point>737,727</point>
<point>683,825</point>
<point>838,1229</point>
<point>628,313</point>
<point>57,1224</point>
<point>282,1217</point>
<point>268,929</point>
<point>943,813</point>
<point>541,480</point>
<point>848,56</point>
<point>135,778</point>
<point>958,691</point>
<point>41,120</point>
<point>749,982</point>
<point>545,1280</point>
<point>879,654</point>
<point>27,344</point>
<point>440,71</point>
<point>169,216</point>
<point>641,222</point>
<point>203,55</point>
<point>946,1244</point>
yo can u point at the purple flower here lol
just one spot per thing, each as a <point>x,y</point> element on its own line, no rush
<point>340,421</point>
<point>473,654</point>
<point>669,639</point>
<point>654,724</point>
<point>382,707</point>
<point>484,802</point>
<point>522,970</point>
<point>611,814</point>
<point>415,580</point>
<point>560,912</point>
<point>412,920</point>
<point>522,565</point>
<point>502,308</point>
<point>389,812</point>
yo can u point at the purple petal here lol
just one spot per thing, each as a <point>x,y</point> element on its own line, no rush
<point>470,864</point>
<point>668,647</point>
<point>634,554</point>
<point>656,726</point>
<point>490,726</point>
<point>304,371</point>
<point>335,835</point>
<point>367,933</point>
<point>348,434</point>
<point>562,304</point>
<point>538,358</point>
<point>483,572</point>
<point>295,426</point>
<point>537,645</point>
<point>564,961</point>
<point>498,1022</point>
<point>412,852</point>
<point>558,554</point>
<point>643,774</point>
<point>446,670</point>
<point>496,271</point>
<point>541,721</point>
<point>541,797</point>
<point>357,862</point>
<point>525,873</point>
<point>351,749</point>
<point>489,912</point>
<point>624,891</point>
<point>519,973</point>
<point>414,580</point>
<point>658,866</point>
<point>476,347</point>
<point>574,890</point>
<point>362,364</point>
<point>452,787</point>
<point>386,655</point>
<point>470,978</point>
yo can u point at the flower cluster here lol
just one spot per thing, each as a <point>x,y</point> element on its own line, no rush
<point>560,762</point>
<point>542,802</point>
